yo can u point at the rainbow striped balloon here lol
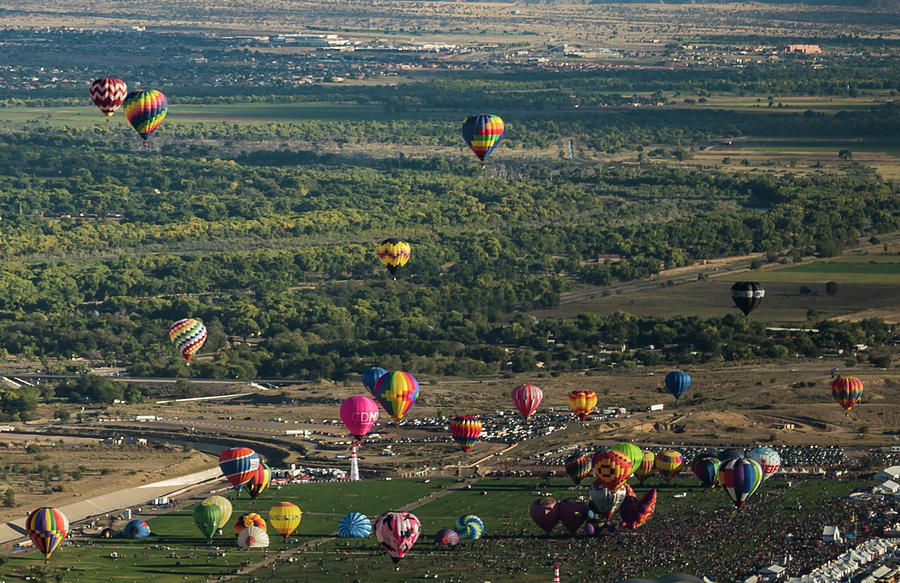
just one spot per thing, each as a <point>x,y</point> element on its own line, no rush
<point>847,391</point>
<point>188,335</point>
<point>239,464</point>
<point>396,391</point>
<point>47,527</point>
<point>465,430</point>
<point>145,110</point>
<point>482,132</point>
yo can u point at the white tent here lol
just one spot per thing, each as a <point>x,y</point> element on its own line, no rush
<point>888,487</point>
<point>891,473</point>
<point>831,534</point>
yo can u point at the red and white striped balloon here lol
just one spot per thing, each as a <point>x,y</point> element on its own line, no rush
<point>108,93</point>
<point>527,398</point>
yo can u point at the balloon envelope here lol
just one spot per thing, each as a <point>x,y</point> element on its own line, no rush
<point>465,430</point>
<point>767,458</point>
<point>259,481</point>
<point>647,467</point>
<point>469,526</point>
<point>285,518</point>
<point>606,501</point>
<point>482,133</point>
<point>847,391</point>
<point>669,463</point>
<point>359,414</point>
<point>678,382</point>
<point>396,392</point>
<point>740,477</point>
<point>527,398</point>
<point>238,464</point>
<point>397,532</point>
<point>253,537</point>
<point>637,512</point>
<point>188,335</point>
<point>578,467</point>
<point>108,93</point>
<point>225,505</point>
<point>747,295</point>
<point>370,376</point>
<point>612,468</point>
<point>572,514</point>
<point>706,468</point>
<point>582,402</point>
<point>544,513</point>
<point>446,537</point>
<point>47,527</point>
<point>394,254</point>
<point>354,525</point>
<point>247,520</point>
<point>145,110</point>
<point>137,529</point>
<point>207,517</point>
<point>633,452</point>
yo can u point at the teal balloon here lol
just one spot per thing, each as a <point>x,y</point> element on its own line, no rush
<point>355,525</point>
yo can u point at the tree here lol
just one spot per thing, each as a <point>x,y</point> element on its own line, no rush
<point>831,288</point>
<point>845,154</point>
<point>9,498</point>
<point>62,414</point>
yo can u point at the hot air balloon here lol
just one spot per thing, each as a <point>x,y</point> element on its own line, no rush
<point>137,529</point>
<point>107,533</point>
<point>578,467</point>
<point>612,468</point>
<point>145,110</point>
<point>250,519</point>
<point>606,501</point>
<point>394,254</point>
<point>446,537</point>
<point>354,525</point>
<point>188,335</point>
<point>47,527</point>
<point>747,295</point>
<point>253,537</point>
<point>633,452</point>
<point>359,414</point>
<point>527,398</point>
<point>397,532</point>
<point>767,458</point>
<point>465,430</point>
<point>469,527</point>
<point>669,463</point>
<point>371,376</point>
<point>731,453</point>
<point>482,132</point>
<point>260,480</point>
<point>207,518</point>
<point>647,467</point>
<point>636,512</point>
<point>678,382</point>
<point>740,477</point>
<point>544,513</point>
<point>225,505</point>
<point>108,93</point>
<point>706,468</point>
<point>582,402</point>
<point>396,391</point>
<point>285,518</point>
<point>238,464</point>
<point>847,391</point>
<point>572,514</point>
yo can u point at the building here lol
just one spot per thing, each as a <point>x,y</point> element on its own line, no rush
<point>803,49</point>
<point>831,534</point>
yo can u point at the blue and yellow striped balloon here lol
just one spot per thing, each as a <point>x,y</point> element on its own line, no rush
<point>482,133</point>
<point>469,526</point>
<point>396,391</point>
<point>145,110</point>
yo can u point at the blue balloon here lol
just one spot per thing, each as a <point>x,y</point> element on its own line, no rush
<point>678,382</point>
<point>371,376</point>
<point>137,529</point>
<point>355,525</point>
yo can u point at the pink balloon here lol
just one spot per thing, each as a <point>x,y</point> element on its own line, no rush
<point>359,414</point>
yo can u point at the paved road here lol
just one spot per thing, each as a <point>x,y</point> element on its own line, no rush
<point>114,501</point>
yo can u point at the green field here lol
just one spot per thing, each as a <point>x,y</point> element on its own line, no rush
<point>512,544</point>
<point>872,270</point>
